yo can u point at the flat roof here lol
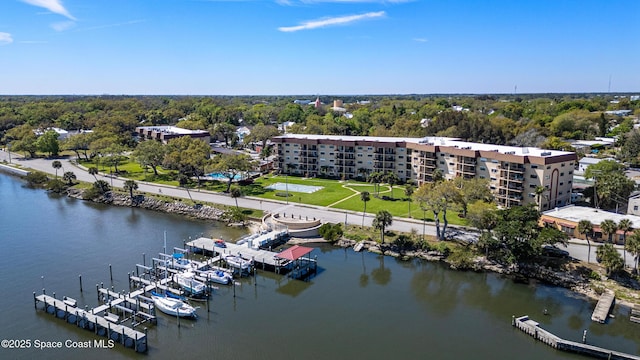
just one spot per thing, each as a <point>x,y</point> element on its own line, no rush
<point>574,213</point>
<point>172,130</point>
<point>436,141</point>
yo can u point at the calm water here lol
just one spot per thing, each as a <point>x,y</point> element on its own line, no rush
<point>360,306</point>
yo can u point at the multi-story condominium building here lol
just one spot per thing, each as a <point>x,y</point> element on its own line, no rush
<point>166,133</point>
<point>514,173</point>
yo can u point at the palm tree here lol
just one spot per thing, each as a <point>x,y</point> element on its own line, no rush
<point>69,177</point>
<point>610,258</point>
<point>391,179</point>
<point>374,178</point>
<point>130,185</point>
<point>93,171</point>
<point>382,220</point>
<point>364,196</point>
<point>539,191</point>
<point>56,165</point>
<point>408,192</point>
<point>235,193</point>
<point>625,225</point>
<point>633,246</point>
<point>609,228</point>
<point>585,227</point>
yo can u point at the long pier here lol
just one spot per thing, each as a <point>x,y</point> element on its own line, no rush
<point>101,326</point>
<point>531,327</point>
<point>601,312</point>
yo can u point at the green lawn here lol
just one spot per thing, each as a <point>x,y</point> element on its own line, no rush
<point>343,195</point>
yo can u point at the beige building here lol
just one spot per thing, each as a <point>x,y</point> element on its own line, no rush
<point>514,173</point>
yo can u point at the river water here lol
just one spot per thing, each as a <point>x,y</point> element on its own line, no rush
<point>359,306</point>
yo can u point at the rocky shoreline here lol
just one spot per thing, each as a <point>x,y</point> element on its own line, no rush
<point>201,212</point>
<point>573,281</point>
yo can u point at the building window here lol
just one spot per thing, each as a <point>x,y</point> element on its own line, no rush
<point>494,170</point>
<point>483,159</point>
<point>570,172</point>
<point>548,167</point>
<point>287,145</point>
<point>482,168</point>
<point>321,152</point>
<point>441,162</point>
<point>534,176</point>
<point>493,179</point>
<point>562,165</point>
<point>482,177</point>
<point>451,164</point>
<point>562,174</point>
<point>547,177</point>
<point>635,208</point>
<point>534,166</point>
<point>494,161</point>
<point>561,183</point>
<point>359,147</point>
<point>532,186</point>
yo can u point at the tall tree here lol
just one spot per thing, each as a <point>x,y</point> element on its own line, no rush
<point>189,156</point>
<point>235,193</point>
<point>632,245</point>
<point>231,165</point>
<point>610,258</point>
<point>56,165</point>
<point>540,190</point>
<point>69,177</point>
<point>585,227</point>
<point>93,171</point>
<point>625,225</point>
<point>391,178</point>
<point>472,190</point>
<point>609,227</point>
<point>130,186</point>
<point>365,197</point>
<point>261,133</point>
<point>150,153</point>
<point>48,143</point>
<point>409,189</point>
<point>382,220</point>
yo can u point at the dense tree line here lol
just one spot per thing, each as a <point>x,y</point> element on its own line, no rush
<point>502,119</point>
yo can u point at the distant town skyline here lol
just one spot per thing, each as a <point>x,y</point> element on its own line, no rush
<point>330,47</point>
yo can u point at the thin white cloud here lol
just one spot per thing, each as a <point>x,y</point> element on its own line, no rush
<point>112,25</point>
<point>32,42</point>
<point>422,40</point>
<point>5,38</point>
<point>55,6</point>
<point>342,20</point>
<point>63,25</point>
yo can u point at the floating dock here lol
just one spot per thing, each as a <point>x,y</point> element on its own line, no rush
<point>262,257</point>
<point>531,327</point>
<point>601,312</point>
<point>85,319</point>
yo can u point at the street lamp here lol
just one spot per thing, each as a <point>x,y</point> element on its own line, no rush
<point>286,182</point>
<point>9,150</point>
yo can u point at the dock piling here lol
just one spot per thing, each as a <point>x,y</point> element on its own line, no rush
<point>80,277</point>
<point>110,272</point>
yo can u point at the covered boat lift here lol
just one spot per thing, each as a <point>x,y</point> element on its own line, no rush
<point>301,266</point>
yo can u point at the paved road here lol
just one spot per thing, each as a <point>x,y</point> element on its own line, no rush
<point>577,248</point>
<point>276,207</point>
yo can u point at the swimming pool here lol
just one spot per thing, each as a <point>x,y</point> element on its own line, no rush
<point>307,189</point>
<point>223,177</point>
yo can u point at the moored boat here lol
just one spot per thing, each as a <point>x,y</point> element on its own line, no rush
<point>238,262</point>
<point>217,276</point>
<point>188,283</point>
<point>173,307</point>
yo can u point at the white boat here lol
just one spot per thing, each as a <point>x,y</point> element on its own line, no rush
<point>238,262</point>
<point>188,283</point>
<point>217,276</point>
<point>178,261</point>
<point>173,307</point>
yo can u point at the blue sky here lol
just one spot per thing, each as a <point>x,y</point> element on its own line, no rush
<point>308,47</point>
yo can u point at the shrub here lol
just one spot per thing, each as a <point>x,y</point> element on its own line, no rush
<point>330,232</point>
<point>56,186</point>
<point>594,275</point>
<point>442,248</point>
<point>36,178</point>
<point>461,259</point>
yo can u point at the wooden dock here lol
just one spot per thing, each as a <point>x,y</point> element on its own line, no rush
<point>531,327</point>
<point>601,312</point>
<point>101,326</point>
<point>262,257</point>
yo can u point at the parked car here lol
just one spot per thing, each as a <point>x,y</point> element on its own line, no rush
<point>553,251</point>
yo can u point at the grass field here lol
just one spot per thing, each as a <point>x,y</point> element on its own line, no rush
<point>343,195</point>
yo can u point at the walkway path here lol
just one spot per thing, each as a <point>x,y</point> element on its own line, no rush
<point>273,206</point>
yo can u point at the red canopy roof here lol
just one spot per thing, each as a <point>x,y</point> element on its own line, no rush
<point>294,252</point>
